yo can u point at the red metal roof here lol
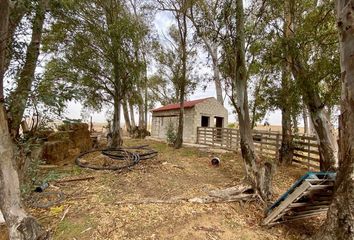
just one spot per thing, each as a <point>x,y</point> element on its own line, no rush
<point>174,106</point>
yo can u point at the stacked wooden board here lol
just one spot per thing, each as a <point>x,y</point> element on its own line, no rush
<point>309,196</point>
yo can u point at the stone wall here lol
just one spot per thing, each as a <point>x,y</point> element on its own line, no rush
<point>210,108</point>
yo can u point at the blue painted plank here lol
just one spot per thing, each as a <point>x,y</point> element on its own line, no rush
<point>308,175</point>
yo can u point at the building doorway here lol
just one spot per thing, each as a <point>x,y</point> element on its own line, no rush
<point>219,122</point>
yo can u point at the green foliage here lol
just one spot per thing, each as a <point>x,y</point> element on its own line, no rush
<point>97,50</point>
<point>171,76</point>
<point>171,133</point>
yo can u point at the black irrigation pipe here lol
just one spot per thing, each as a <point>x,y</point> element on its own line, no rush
<point>116,153</point>
<point>119,154</point>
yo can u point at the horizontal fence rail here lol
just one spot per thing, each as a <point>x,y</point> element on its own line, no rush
<point>267,144</point>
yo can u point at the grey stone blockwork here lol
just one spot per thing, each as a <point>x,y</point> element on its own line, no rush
<point>192,119</point>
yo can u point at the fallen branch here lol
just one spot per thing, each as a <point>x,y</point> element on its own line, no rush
<point>208,229</point>
<point>232,194</point>
<point>74,179</point>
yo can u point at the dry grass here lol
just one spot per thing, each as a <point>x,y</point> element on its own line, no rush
<point>93,212</point>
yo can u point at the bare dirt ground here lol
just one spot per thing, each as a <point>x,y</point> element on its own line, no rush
<point>109,206</point>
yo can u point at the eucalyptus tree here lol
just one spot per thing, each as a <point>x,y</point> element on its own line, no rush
<point>179,9</point>
<point>300,43</point>
<point>339,224</point>
<point>18,97</point>
<point>275,63</point>
<point>20,224</point>
<point>203,17</point>
<point>94,46</point>
<point>314,64</point>
<point>235,71</point>
<point>172,77</point>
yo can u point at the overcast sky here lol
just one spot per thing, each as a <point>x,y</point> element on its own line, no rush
<point>162,23</point>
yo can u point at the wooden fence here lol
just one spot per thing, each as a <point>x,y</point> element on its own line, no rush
<point>267,144</point>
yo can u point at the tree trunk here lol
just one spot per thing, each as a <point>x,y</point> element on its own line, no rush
<point>182,81</point>
<point>340,219</point>
<point>145,97</point>
<point>325,132</point>
<point>4,23</point>
<point>19,97</point>
<point>286,151</point>
<point>306,123</point>
<point>212,49</point>
<point>17,12</point>
<point>260,175</point>
<point>132,115</point>
<point>328,147</point>
<point>20,225</point>
<point>179,137</point>
<point>216,72</point>
<point>326,136</point>
<point>128,126</point>
<point>141,116</point>
<point>117,139</point>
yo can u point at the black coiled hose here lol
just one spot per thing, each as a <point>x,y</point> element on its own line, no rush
<point>126,153</point>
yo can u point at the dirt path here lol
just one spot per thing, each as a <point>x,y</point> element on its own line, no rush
<point>104,208</point>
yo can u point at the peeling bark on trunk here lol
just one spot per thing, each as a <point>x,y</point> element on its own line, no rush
<point>340,219</point>
<point>259,174</point>
<point>141,116</point>
<point>117,139</point>
<point>213,51</point>
<point>325,132</point>
<point>126,116</point>
<point>20,225</point>
<point>18,98</point>
<point>132,116</point>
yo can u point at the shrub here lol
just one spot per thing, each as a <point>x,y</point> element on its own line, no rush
<point>171,134</point>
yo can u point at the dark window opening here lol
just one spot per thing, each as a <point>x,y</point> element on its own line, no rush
<point>205,121</point>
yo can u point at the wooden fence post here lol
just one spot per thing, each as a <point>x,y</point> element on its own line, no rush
<point>214,136</point>
<point>198,129</point>
<point>308,153</point>
<point>237,139</point>
<point>277,147</point>
<point>261,147</point>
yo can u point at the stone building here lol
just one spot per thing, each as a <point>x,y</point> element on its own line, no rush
<point>206,112</point>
